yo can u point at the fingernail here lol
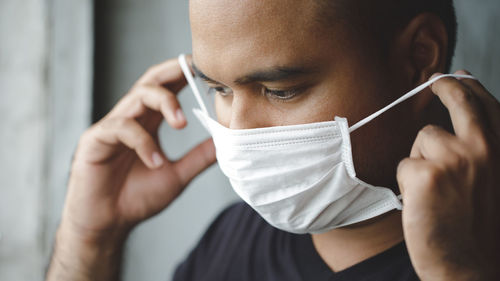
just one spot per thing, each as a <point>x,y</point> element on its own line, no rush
<point>157,159</point>
<point>435,75</point>
<point>463,72</point>
<point>179,115</point>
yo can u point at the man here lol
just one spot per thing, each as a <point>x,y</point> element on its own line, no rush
<point>288,62</point>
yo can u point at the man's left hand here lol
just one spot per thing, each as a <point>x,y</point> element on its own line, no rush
<point>451,188</point>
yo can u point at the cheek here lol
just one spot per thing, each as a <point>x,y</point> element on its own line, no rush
<point>328,100</point>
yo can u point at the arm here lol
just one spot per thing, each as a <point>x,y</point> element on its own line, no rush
<point>76,259</point>
<point>120,177</point>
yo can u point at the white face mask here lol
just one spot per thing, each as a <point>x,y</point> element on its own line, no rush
<point>299,178</point>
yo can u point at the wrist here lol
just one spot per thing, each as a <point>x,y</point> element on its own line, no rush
<point>80,256</point>
<point>110,238</point>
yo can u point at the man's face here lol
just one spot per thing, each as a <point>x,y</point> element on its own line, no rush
<point>277,64</point>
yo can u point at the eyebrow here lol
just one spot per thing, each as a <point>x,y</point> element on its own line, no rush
<point>202,75</point>
<point>274,74</point>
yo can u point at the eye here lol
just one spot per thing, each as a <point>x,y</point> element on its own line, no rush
<point>223,91</point>
<point>281,94</point>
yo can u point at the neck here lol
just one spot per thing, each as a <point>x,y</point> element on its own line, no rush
<point>344,247</point>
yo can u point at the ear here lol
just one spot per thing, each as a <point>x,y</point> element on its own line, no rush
<point>429,46</point>
<point>424,43</point>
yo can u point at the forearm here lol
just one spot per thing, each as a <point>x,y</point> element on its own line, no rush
<point>75,259</point>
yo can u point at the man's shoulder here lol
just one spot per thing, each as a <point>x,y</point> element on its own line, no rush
<point>236,210</point>
<point>239,221</point>
<point>228,247</point>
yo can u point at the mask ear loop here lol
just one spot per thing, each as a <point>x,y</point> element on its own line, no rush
<point>405,97</point>
<point>190,79</point>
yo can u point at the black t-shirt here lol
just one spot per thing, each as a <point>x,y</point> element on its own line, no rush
<point>241,246</point>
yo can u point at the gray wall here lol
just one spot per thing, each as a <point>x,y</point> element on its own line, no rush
<point>24,134</point>
<point>45,101</point>
<point>478,48</point>
<point>45,89</point>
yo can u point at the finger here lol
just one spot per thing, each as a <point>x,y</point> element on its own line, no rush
<point>156,98</point>
<point>405,174</point>
<point>489,102</point>
<point>435,144</point>
<point>168,72</point>
<point>160,99</point>
<point>476,86</point>
<point>128,132</point>
<point>463,106</point>
<point>415,178</point>
<point>195,161</point>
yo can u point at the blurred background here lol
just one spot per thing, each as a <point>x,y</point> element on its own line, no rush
<point>65,63</point>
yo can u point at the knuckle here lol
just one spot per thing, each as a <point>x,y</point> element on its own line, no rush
<point>153,68</point>
<point>460,95</point>
<point>421,134</point>
<point>431,176</point>
<point>143,140</point>
<point>429,130</point>
<point>401,169</point>
<point>170,98</point>
<point>87,135</point>
<point>103,124</point>
<point>115,124</point>
<point>139,91</point>
<point>119,122</point>
<point>170,101</point>
<point>483,149</point>
<point>167,99</point>
<point>461,162</point>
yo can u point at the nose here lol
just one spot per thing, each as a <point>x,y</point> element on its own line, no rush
<point>247,112</point>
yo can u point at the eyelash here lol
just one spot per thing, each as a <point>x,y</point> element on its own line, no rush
<point>281,95</point>
<point>219,90</point>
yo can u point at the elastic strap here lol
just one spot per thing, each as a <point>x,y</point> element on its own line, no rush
<point>405,97</point>
<point>190,79</point>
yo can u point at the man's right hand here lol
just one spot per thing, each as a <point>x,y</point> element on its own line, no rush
<point>120,176</point>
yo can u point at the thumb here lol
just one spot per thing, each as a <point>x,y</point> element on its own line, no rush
<point>195,161</point>
<point>414,174</point>
<point>401,174</point>
<point>408,175</point>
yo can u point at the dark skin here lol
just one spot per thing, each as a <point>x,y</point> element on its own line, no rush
<point>448,181</point>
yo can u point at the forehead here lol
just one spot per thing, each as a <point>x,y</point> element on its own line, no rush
<point>254,32</point>
<point>239,14</point>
